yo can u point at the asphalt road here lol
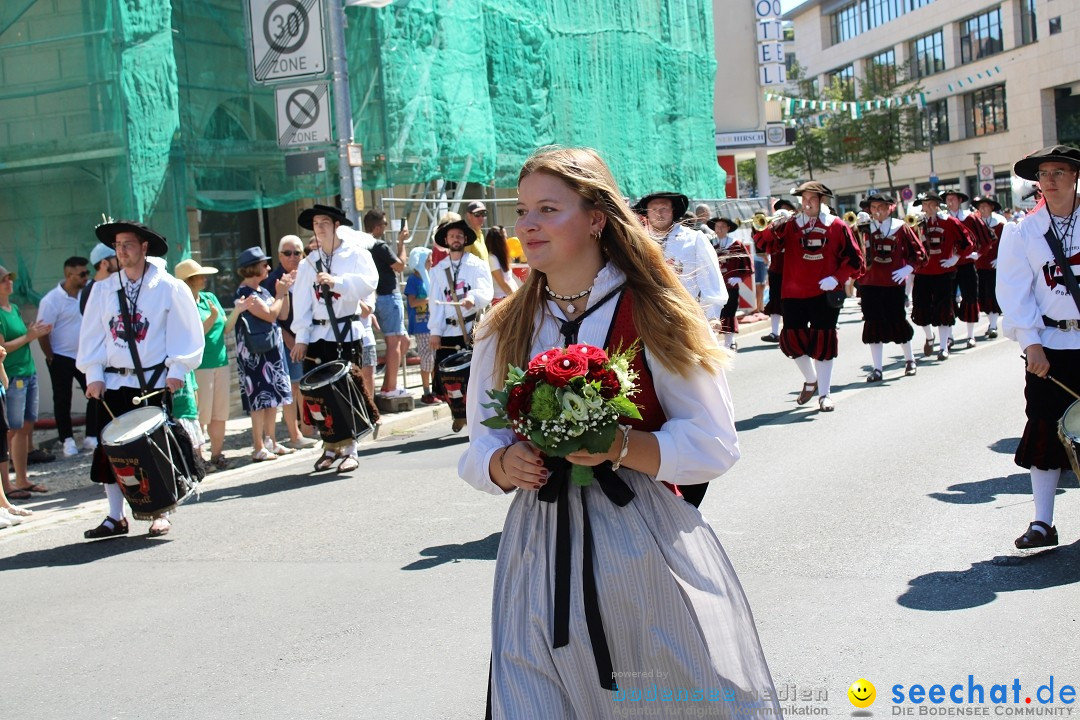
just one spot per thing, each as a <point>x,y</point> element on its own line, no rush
<point>874,542</point>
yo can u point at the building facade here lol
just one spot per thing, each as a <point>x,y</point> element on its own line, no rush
<point>1001,78</point>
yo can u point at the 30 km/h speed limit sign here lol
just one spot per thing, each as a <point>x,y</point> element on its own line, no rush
<point>286,39</point>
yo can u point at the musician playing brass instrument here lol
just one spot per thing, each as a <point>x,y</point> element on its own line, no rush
<point>1038,261</point>
<point>933,296</point>
<point>761,234</point>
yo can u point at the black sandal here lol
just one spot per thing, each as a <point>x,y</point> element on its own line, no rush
<point>119,527</point>
<point>326,461</point>
<point>349,463</point>
<point>1035,539</point>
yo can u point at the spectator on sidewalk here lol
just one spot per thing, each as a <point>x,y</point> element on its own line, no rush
<point>60,308</point>
<point>264,378</point>
<point>389,306</point>
<point>475,215</point>
<point>9,514</point>
<point>502,279</point>
<point>22,394</point>
<point>104,263</point>
<point>416,295</point>
<point>290,252</point>
<point>212,377</point>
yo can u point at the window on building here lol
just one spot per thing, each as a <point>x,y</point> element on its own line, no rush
<point>881,68</point>
<point>845,23</point>
<point>1028,25</point>
<point>984,111</point>
<point>879,12</point>
<point>980,36</point>
<point>1055,25</point>
<point>844,77</point>
<point>927,55</point>
<point>790,63</point>
<point>932,125</point>
<point>916,4</point>
<point>788,29</point>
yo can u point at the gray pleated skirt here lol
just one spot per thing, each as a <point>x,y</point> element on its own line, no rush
<point>679,629</point>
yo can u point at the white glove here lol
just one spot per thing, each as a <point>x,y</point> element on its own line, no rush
<point>902,274</point>
<point>733,282</point>
<point>828,283</point>
<point>993,263</point>
<point>973,256</point>
<point>951,261</point>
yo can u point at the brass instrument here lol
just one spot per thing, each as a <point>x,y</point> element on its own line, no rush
<point>760,221</point>
<point>851,218</point>
<point>914,220</point>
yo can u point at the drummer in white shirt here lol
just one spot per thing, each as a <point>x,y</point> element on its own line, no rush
<point>168,341</point>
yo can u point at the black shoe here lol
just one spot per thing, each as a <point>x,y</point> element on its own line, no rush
<point>771,337</point>
<point>991,334</point>
<point>37,455</point>
<point>120,527</point>
<point>943,355</point>
<point>951,342</point>
<point>910,368</point>
<point>928,348</point>
<point>874,376</point>
<point>1035,539</point>
<point>457,425</point>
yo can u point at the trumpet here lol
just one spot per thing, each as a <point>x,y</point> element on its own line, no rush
<point>914,220</point>
<point>760,221</point>
<point>851,218</point>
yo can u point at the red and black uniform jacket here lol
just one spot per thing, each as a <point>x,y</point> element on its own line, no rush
<point>943,238</point>
<point>823,246</point>
<point>885,254</point>
<point>735,261</point>
<point>989,235</point>
<point>762,240</point>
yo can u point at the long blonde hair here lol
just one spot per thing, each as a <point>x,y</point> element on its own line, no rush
<point>668,319</point>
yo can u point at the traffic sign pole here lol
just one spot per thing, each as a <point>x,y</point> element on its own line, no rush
<point>342,108</point>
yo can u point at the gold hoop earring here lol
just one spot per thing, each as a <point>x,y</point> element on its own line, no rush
<point>596,236</point>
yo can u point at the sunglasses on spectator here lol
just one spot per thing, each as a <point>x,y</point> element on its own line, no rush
<point>292,253</point>
<point>479,213</point>
<point>84,273</point>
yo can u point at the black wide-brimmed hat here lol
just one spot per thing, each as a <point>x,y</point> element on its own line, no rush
<point>450,222</point>
<point>731,225</point>
<point>156,243</point>
<point>957,193</point>
<point>813,186</point>
<point>782,204</point>
<point>336,214</point>
<point>984,199</point>
<point>878,197</point>
<point>932,197</point>
<point>1027,167</point>
<point>679,202</point>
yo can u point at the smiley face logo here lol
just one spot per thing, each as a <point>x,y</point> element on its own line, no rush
<point>862,693</point>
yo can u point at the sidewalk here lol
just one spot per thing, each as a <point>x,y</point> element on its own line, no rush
<point>72,497</point>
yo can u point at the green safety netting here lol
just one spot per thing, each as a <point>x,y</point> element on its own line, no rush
<point>467,89</point>
<point>144,108</point>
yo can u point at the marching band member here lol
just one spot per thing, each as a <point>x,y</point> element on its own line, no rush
<point>344,272</point>
<point>774,308</point>
<point>168,336</point>
<point>686,250</point>
<point>1038,261</point>
<point>988,224</point>
<point>933,296</point>
<point>461,287</point>
<point>967,280</point>
<point>892,253</point>
<point>735,266</point>
<point>820,254</point>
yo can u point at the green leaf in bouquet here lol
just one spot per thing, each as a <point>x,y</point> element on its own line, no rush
<point>625,407</point>
<point>496,423</point>
<point>514,375</point>
<point>581,475</point>
<point>599,441</point>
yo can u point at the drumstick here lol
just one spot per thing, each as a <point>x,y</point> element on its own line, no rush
<point>139,399</point>
<point>1064,387</point>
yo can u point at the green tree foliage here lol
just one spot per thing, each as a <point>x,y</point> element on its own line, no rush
<point>810,152</point>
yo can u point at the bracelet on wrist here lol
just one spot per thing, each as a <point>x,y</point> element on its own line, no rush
<point>502,457</point>
<point>624,449</point>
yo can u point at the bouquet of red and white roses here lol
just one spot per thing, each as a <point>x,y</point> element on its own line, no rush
<point>568,399</point>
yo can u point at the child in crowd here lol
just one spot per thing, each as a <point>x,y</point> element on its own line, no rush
<point>416,293</point>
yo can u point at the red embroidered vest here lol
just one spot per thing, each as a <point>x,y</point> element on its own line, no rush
<point>622,335</point>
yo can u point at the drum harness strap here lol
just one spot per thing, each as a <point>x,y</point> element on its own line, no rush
<point>1058,249</point>
<point>452,282</point>
<point>335,323</point>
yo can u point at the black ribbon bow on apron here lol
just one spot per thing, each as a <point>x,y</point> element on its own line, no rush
<point>557,490</point>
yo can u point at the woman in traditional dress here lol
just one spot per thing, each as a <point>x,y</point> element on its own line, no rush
<point>595,586</point>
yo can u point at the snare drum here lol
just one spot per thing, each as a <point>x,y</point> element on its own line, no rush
<point>148,462</point>
<point>335,401</point>
<point>454,374</point>
<point>1069,434</point>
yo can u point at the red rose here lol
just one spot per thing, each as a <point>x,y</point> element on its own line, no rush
<point>539,363</point>
<point>519,402</point>
<point>562,368</point>
<point>596,357</point>
<point>609,383</point>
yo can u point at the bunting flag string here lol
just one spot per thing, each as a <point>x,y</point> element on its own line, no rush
<point>856,108</point>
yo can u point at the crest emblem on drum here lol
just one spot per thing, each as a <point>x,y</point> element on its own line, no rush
<point>131,476</point>
<point>324,421</point>
<point>140,326</point>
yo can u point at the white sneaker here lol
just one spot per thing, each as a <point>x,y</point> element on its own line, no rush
<point>89,443</point>
<point>399,392</point>
<point>69,447</point>
<point>4,522</point>
<point>6,517</point>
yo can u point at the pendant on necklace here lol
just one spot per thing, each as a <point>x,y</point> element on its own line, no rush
<point>570,308</point>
